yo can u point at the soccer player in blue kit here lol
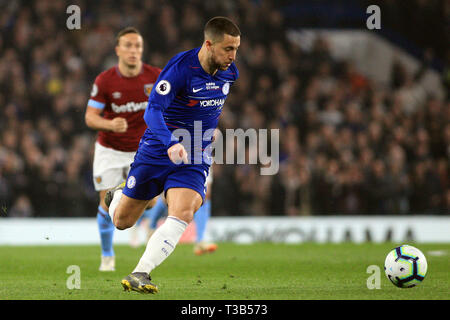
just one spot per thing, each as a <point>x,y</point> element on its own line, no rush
<point>191,89</point>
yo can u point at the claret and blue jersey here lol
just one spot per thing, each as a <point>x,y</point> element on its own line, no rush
<point>184,94</point>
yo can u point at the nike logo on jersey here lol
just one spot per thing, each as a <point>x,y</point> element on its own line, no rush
<point>196,90</point>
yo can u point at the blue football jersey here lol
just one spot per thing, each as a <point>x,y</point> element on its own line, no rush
<point>190,100</point>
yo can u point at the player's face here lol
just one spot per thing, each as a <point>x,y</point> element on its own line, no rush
<point>129,49</point>
<point>223,53</point>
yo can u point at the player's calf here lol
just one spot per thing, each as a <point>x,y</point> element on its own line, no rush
<point>123,210</point>
<point>183,203</point>
<point>128,211</point>
<point>123,223</point>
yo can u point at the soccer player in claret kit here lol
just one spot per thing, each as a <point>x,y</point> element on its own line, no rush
<point>191,88</point>
<point>116,108</point>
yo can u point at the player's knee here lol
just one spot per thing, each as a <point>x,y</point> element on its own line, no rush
<point>122,223</point>
<point>185,215</point>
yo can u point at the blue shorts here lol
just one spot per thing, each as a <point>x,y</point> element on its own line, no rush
<point>145,181</point>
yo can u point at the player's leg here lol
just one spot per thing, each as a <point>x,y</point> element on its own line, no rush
<point>125,211</point>
<point>134,233</point>
<point>108,171</point>
<point>201,218</point>
<point>158,211</point>
<point>185,191</point>
<point>144,222</point>
<point>127,201</point>
<point>135,239</point>
<point>182,203</point>
<point>106,230</point>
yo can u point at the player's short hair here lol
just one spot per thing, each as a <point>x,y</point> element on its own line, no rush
<point>217,27</point>
<point>125,31</point>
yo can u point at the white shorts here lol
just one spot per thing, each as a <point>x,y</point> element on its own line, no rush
<point>110,167</point>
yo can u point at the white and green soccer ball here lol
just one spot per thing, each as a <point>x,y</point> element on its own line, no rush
<point>406,266</point>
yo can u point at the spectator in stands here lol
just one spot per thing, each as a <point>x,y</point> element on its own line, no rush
<point>348,147</point>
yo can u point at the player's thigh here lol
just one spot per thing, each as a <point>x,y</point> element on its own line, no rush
<point>143,185</point>
<point>152,203</point>
<point>186,187</point>
<point>128,211</point>
<point>183,203</point>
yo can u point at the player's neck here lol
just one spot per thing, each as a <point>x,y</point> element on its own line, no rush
<point>204,62</point>
<point>129,72</point>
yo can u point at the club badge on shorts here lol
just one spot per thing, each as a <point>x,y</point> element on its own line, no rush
<point>131,182</point>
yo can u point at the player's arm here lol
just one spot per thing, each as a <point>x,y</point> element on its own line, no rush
<point>155,121</point>
<point>94,120</point>
<point>169,82</point>
<point>93,116</point>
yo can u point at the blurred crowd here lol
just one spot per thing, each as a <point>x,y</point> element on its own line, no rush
<point>347,145</point>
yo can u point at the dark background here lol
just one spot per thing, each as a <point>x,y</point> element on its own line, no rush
<point>347,146</point>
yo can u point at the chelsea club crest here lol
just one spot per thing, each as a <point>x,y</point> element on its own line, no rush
<point>226,88</point>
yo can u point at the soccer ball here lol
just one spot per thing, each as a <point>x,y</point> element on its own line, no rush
<point>405,266</point>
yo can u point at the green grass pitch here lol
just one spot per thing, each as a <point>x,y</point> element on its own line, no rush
<point>263,271</point>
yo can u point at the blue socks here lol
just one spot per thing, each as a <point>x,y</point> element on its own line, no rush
<point>106,229</point>
<point>157,212</point>
<point>146,214</point>
<point>201,218</point>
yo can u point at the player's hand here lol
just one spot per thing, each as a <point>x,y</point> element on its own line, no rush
<point>177,154</point>
<point>216,133</point>
<point>119,125</point>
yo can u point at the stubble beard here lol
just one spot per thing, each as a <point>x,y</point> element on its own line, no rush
<point>131,66</point>
<point>214,65</point>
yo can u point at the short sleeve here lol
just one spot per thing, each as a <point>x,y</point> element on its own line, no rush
<point>98,95</point>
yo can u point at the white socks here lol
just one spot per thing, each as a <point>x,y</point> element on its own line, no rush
<point>161,244</point>
<point>114,203</point>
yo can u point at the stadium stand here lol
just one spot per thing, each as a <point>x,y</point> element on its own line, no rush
<point>348,146</point>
